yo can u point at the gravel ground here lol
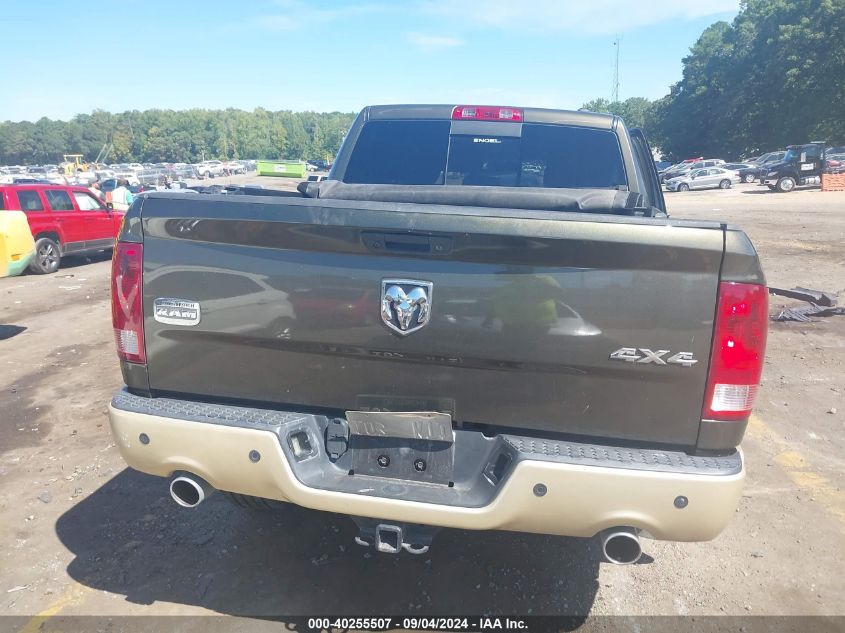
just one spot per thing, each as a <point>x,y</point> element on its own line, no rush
<point>84,535</point>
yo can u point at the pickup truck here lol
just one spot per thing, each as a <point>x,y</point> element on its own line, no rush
<point>483,319</point>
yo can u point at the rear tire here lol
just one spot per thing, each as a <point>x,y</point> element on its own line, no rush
<point>683,187</point>
<point>725,184</point>
<point>748,178</point>
<point>47,256</point>
<point>785,184</point>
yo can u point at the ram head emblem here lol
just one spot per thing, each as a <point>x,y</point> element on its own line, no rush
<point>405,304</point>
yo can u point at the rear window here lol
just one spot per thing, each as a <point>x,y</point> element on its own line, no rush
<point>400,153</point>
<point>30,201</point>
<point>424,153</point>
<point>58,200</point>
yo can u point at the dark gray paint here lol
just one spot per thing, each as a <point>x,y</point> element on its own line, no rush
<point>290,311</point>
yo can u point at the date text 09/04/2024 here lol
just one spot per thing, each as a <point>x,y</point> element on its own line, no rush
<point>420,623</point>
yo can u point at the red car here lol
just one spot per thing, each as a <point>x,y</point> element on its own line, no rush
<point>63,220</point>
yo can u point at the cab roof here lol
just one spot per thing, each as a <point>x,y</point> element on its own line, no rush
<point>581,118</point>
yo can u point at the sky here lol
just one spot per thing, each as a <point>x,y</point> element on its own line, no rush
<point>63,58</point>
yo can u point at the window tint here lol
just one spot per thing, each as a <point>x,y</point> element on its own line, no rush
<point>58,200</point>
<point>545,156</point>
<point>87,202</point>
<point>30,201</point>
<point>2,202</point>
<point>814,152</point>
<point>423,153</point>
<point>400,153</point>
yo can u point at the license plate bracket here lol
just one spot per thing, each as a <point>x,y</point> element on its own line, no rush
<point>415,446</point>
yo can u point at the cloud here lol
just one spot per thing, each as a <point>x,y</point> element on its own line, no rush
<point>433,43</point>
<point>276,22</point>
<point>298,14</point>
<point>593,17</point>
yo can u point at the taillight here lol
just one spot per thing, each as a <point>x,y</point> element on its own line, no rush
<point>487,113</point>
<point>736,358</point>
<point>127,302</point>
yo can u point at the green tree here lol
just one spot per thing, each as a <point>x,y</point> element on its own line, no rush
<point>634,111</point>
<point>176,136</point>
<point>771,78</point>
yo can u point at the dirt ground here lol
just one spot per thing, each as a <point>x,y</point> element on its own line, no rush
<point>83,535</point>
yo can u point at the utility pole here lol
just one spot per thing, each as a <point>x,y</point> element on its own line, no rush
<point>615,92</point>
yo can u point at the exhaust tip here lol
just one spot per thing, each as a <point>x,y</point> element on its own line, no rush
<point>621,546</point>
<point>189,492</point>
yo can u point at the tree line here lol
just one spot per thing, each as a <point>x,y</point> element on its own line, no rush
<point>772,77</point>
<point>176,136</point>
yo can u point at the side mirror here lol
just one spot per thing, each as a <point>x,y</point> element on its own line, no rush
<point>109,206</point>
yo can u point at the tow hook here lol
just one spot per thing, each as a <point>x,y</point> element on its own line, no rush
<point>392,538</point>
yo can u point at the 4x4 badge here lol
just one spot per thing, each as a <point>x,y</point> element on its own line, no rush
<point>645,356</point>
<point>405,304</point>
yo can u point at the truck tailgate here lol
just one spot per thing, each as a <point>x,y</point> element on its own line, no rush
<point>526,311</point>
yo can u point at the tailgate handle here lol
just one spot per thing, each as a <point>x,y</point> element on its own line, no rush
<point>407,243</point>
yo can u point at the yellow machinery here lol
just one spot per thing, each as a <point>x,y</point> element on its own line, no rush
<point>73,163</point>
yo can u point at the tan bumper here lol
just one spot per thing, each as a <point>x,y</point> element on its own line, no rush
<point>581,500</point>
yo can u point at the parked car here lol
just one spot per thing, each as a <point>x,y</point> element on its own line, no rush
<point>17,248</point>
<point>63,221</point>
<point>110,184</point>
<point>465,356</point>
<point>771,157</point>
<point>129,176</point>
<point>152,176</point>
<point>661,165</point>
<point>234,167</point>
<point>25,180</point>
<point>685,168</point>
<point>211,169</point>
<point>747,172</point>
<point>835,163</point>
<point>710,178</point>
<point>319,164</point>
<point>180,171</point>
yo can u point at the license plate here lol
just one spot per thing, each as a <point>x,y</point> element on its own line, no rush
<point>412,425</point>
<point>416,446</point>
